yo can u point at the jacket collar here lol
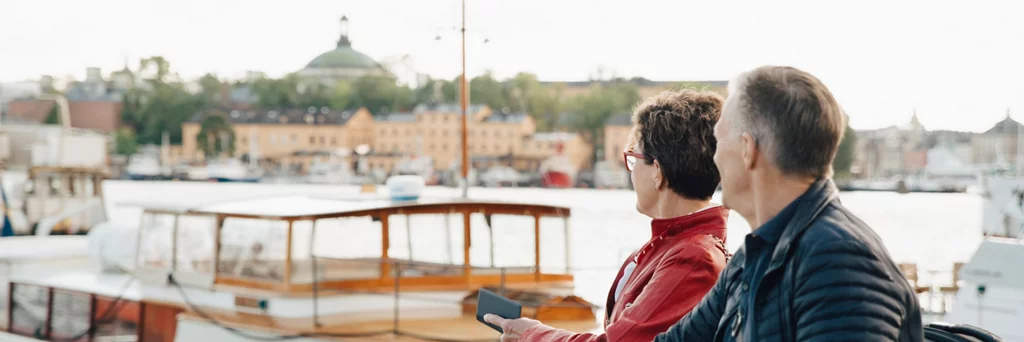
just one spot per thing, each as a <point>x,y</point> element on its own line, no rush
<point>710,217</point>
<point>812,202</point>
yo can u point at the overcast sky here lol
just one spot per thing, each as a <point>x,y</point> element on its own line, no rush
<point>959,63</point>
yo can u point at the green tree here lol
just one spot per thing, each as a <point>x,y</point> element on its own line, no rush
<point>381,94</point>
<point>160,103</point>
<point>52,118</point>
<point>124,140</point>
<point>591,111</point>
<point>341,96</point>
<point>484,89</point>
<point>210,87</point>
<point>214,133</point>
<point>845,153</point>
<point>277,93</point>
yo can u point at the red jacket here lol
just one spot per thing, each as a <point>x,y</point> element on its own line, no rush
<point>674,270</point>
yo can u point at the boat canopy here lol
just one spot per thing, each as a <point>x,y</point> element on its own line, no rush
<point>303,243</point>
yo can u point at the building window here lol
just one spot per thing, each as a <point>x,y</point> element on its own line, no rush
<point>497,133</point>
<point>394,148</point>
<point>432,132</point>
<point>323,141</point>
<point>537,145</point>
<point>334,141</point>
<point>273,139</point>
<point>295,138</point>
<point>497,148</point>
<point>483,133</point>
<point>444,133</point>
<point>433,147</point>
<point>383,132</point>
<point>444,147</point>
<point>408,131</point>
<point>312,140</point>
<point>394,131</point>
<point>445,118</point>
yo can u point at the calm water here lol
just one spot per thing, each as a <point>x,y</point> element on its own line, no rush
<point>932,230</point>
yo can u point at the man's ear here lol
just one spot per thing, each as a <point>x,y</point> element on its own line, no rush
<point>750,151</point>
<point>659,178</point>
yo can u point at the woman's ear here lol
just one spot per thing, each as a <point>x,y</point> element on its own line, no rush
<point>659,179</point>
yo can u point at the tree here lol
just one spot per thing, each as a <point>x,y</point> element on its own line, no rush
<point>381,94</point>
<point>124,141</point>
<point>210,87</point>
<point>313,95</point>
<point>215,136</point>
<point>591,111</point>
<point>52,118</point>
<point>161,103</point>
<point>845,153</point>
<point>341,96</point>
<point>484,89</point>
<point>277,93</point>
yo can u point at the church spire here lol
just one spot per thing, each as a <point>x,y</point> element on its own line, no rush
<point>343,40</point>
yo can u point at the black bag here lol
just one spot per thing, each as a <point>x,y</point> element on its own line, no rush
<point>945,332</point>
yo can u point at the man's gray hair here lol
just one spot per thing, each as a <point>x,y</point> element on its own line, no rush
<point>793,118</point>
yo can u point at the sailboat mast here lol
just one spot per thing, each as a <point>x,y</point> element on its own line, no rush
<point>464,99</point>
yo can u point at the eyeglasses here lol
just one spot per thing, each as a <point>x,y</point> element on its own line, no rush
<point>630,159</point>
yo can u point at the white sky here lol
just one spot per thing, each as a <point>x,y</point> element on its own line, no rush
<point>960,63</point>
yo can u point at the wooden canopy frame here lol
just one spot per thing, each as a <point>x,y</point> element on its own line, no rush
<point>465,280</point>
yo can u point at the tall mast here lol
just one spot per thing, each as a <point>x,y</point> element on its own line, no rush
<point>464,101</point>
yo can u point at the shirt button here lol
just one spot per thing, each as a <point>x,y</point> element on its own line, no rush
<point>746,287</point>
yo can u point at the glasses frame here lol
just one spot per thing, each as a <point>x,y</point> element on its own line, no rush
<point>625,159</point>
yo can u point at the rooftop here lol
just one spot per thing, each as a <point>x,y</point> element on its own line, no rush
<point>1007,126</point>
<point>446,108</point>
<point>506,118</point>
<point>312,115</point>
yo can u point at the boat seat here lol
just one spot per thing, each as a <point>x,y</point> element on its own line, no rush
<point>910,272</point>
<point>956,280</point>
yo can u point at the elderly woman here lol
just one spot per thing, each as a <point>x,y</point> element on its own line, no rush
<point>672,168</point>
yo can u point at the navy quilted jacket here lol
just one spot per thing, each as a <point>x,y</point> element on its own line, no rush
<point>829,279</point>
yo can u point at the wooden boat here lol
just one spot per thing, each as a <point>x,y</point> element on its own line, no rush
<point>310,268</point>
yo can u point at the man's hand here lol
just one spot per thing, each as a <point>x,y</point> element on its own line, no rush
<point>513,328</point>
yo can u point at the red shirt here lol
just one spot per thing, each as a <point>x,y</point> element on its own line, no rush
<point>674,270</point>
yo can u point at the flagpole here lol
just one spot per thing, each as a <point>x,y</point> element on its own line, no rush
<point>464,99</point>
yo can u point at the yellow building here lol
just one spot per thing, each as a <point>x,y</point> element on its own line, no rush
<point>493,137</point>
<point>616,134</point>
<point>296,138</point>
<point>291,137</point>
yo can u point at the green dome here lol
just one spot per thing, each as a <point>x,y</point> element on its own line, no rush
<point>342,57</point>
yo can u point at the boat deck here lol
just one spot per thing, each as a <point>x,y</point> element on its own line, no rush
<point>455,328</point>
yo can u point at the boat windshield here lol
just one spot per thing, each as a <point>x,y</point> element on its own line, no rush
<point>290,243</point>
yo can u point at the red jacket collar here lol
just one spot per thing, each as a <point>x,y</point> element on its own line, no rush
<point>710,217</point>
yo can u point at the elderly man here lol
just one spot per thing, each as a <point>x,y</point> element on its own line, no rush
<point>810,270</point>
<point>671,166</point>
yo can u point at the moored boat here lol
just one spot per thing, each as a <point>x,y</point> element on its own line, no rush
<point>319,268</point>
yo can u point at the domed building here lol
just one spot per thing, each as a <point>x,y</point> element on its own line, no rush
<point>342,63</point>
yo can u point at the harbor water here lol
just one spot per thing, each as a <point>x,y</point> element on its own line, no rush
<point>930,230</point>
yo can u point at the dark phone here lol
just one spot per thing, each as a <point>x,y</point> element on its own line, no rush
<point>489,302</point>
